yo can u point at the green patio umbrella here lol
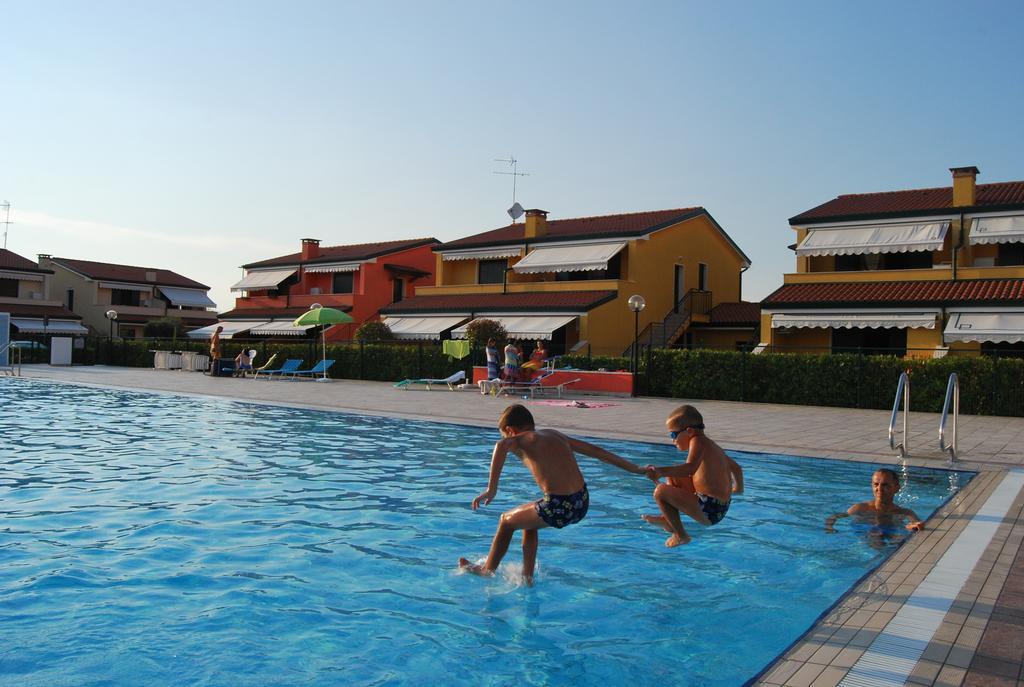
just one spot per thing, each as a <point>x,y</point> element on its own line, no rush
<point>319,315</point>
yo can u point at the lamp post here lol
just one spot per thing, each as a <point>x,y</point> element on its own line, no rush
<point>111,315</point>
<point>636,304</point>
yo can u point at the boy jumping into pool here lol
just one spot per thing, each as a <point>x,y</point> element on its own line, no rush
<point>702,487</point>
<point>550,457</point>
<point>884,485</point>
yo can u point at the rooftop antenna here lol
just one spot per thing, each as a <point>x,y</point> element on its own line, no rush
<point>516,211</point>
<point>6,205</point>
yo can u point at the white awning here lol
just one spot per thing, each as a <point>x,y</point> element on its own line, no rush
<point>882,238</point>
<point>333,267</point>
<point>593,256</point>
<point>418,328</point>
<point>280,328</point>
<point>523,326</point>
<point>997,230</point>
<point>267,279</point>
<point>124,286</point>
<point>35,326</point>
<point>985,326</point>
<point>488,254</point>
<point>230,329</point>
<point>855,320</point>
<point>187,297</point>
<point>24,276</point>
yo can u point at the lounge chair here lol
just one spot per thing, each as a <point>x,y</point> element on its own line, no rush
<point>263,368</point>
<point>319,369</point>
<point>520,386</point>
<point>290,365</point>
<point>450,381</point>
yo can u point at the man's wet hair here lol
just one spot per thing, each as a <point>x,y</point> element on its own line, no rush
<point>892,473</point>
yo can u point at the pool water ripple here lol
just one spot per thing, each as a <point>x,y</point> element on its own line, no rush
<point>166,540</point>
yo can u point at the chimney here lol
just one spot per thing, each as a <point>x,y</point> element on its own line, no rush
<point>964,185</point>
<point>536,224</point>
<point>150,276</point>
<point>310,249</point>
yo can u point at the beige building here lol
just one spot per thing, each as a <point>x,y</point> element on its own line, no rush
<point>137,295</point>
<point>26,296</point>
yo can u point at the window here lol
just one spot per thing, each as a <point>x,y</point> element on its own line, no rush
<point>889,341</point>
<point>342,282</point>
<point>397,290</point>
<point>613,271</point>
<point>702,276</point>
<point>1010,254</point>
<point>124,297</point>
<point>913,260</point>
<point>9,288</point>
<point>491,271</point>
<point>71,299</point>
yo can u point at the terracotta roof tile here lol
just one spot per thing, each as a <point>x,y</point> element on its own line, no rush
<point>629,224</point>
<point>742,312</point>
<point>898,293</point>
<point>13,261</point>
<point>128,273</point>
<point>1005,195</point>
<point>25,310</point>
<point>518,302</point>
<point>360,251</point>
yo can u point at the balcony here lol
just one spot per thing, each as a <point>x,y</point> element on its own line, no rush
<point>524,287</point>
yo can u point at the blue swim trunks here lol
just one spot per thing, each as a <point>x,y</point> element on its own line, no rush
<point>714,509</point>
<point>558,510</point>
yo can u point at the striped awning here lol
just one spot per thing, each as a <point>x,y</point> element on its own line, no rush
<point>580,258</point>
<point>985,327</point>
<point>260,280</point>
<point>997,230</point>
<point>523,326</point>
<point>27,325</point>
<point>420,328</point>
<point>855,320</point>
<point>485,254</point>
<point>231,328</point>
<point>125,286</point>
<point>23,276</point>
<point>880,238</point>
<point>279,328</point>
<point>194,298</point>
<point>333,267</point>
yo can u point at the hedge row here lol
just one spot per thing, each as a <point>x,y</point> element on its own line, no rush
<point>988,386</point>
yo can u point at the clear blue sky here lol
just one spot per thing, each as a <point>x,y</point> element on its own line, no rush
<point>198,136</point>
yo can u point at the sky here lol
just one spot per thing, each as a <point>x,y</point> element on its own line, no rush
<point>201,136</point>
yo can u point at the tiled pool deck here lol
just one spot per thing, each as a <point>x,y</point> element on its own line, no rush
<point>871,638</point>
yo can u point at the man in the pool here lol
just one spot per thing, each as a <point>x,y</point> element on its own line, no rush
<point>550,457</point>
<point>881,510</point>
<point>702,487</point>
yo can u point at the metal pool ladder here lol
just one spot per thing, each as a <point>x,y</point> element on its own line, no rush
<point>9,369</point>
<point>903,388</point>
<point>952,394</point>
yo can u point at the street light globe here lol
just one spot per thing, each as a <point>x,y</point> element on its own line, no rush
<point>111,314</point>
<point>636,303</point>
<point>315,306</point>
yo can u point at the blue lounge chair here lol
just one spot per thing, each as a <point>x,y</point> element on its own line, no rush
<point>450,381</point>
<point>290,365</point>
<point>317,370</point>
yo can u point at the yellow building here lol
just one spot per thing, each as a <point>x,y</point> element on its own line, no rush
<point>920,273</point>
<point>568,282</point>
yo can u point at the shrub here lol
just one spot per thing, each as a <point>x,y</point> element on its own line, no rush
<point>480,330</point>
<point>373,332</point>
<point>165,327</point>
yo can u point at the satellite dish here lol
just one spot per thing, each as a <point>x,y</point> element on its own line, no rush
<point>516,211</point>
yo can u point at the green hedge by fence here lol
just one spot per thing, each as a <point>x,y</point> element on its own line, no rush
<point>988,386</point>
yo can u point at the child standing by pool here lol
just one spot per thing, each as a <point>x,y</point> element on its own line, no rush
<point>882,510</point>
<point>550,457</point>
<point>702,487</point>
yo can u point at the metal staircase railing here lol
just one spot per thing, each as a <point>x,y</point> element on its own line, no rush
<point>665,333</point>
<point>902,389</point>
<point>952,395</point>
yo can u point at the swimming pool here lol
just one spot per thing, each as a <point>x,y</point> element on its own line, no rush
<point>170,540</point>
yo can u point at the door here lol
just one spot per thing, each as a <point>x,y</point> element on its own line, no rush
<point>398,290</point>
<point>702,277</point>
<point>679,289</point>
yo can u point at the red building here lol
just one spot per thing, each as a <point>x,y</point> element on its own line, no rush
<point>358,279</point>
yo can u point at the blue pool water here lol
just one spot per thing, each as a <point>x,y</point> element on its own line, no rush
<point>165,540</point>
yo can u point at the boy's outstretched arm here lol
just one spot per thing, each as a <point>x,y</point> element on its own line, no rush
<point>498,456</point>
<point>737,476</point>
<point>588,449</point>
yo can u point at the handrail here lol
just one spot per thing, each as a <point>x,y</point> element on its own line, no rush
<point>902,387</point>
<point>11,347</point>
<point>952,393</point>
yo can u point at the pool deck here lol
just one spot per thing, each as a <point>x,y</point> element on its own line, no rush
<point>946,609</point>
